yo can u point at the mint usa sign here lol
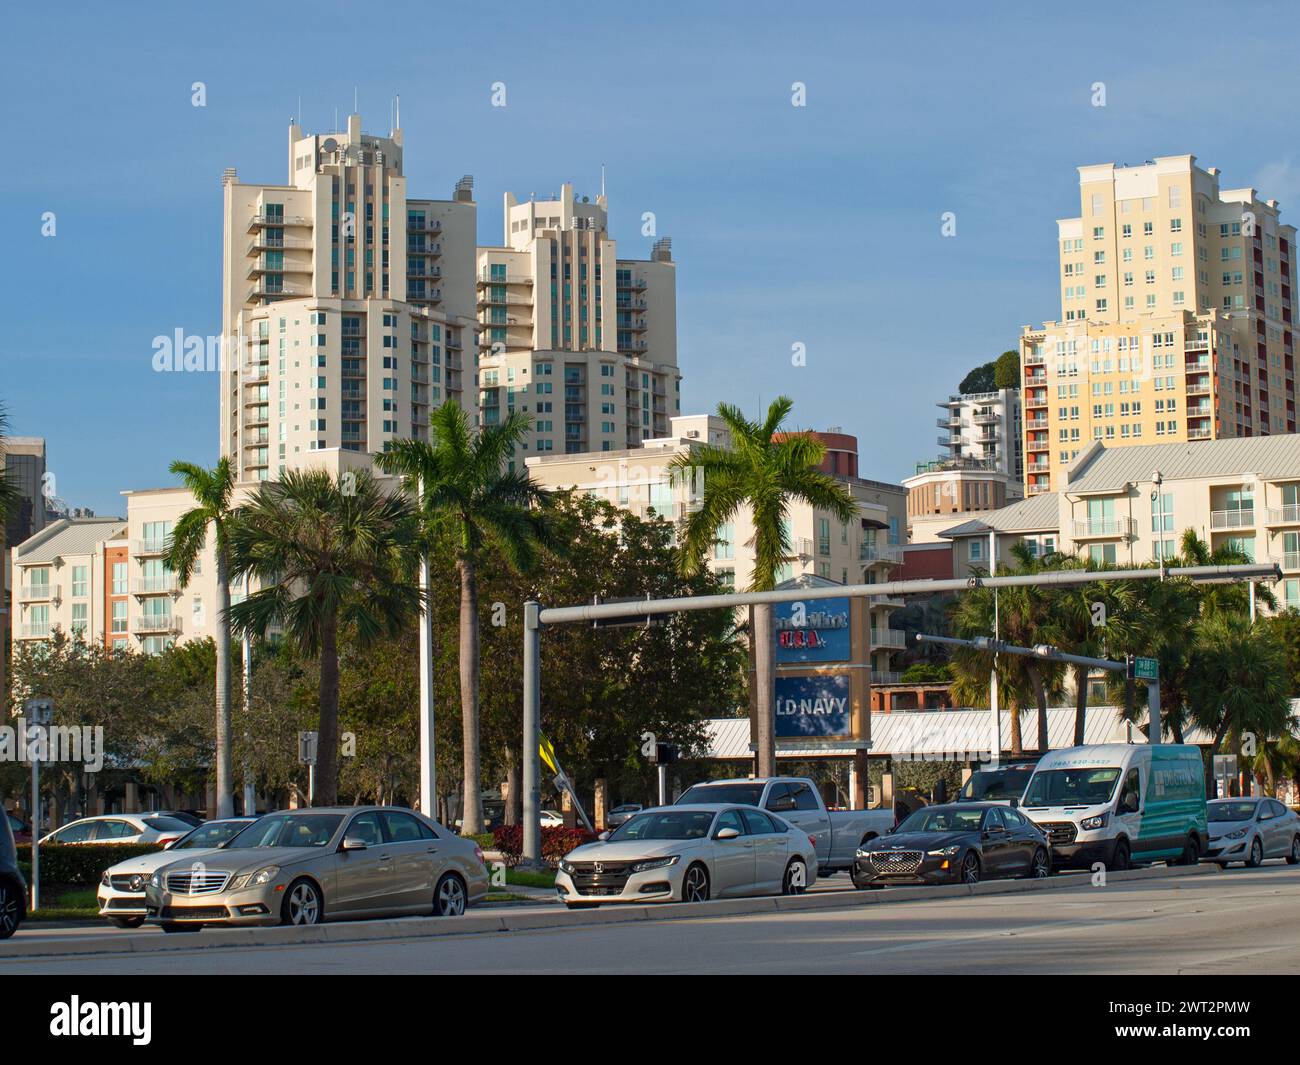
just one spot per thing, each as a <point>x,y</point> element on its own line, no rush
<point>812,631</point>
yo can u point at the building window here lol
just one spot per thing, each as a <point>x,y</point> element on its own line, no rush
<point>119,578</point>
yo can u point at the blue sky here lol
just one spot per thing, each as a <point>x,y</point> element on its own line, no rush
<point>817,225</point>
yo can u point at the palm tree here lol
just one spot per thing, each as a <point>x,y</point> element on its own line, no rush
<point>468,492</point>
<point>1221,598</point>
<point>213,492</point>
<point>1238,682</point>
<point>331,557</point>
<point>764,470</point>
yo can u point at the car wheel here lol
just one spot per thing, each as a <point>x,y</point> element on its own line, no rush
<point>970,869</point>
<point>180,926</point>
<point>695,884</point>
<point>1040,865</point>
<point>1256,858</point>
<point>303,904</point>
<point>1191,853</point>
<point>1119,860</point>
<point>796,878</point>
<point>128,922</point>
<point>449,896</point>
<point>1293,858</point>
<point>11,911</point>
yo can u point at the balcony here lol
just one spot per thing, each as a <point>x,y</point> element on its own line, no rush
<point>157,546</point>
<point>879,677</point>
<point>1105,528</point>
<point>1289,561</point>
<point>486,278</point>
<point>1236,518</point>
<point>888,638</point>
<point>158,584</point>
<point>1038,489</point>
<point>948,423</point>
<point>1198,434</point>
<point>259,220</point>
<point>886,601</point>
<point>426,225</point>
<point>1288,514</point>
<point>39,630</point>
<point>880,553</point>
<point>263,243</point>
<point>285,292</point>
<point>635,284</point>
<point>38,592</point>
<point>150,624</point>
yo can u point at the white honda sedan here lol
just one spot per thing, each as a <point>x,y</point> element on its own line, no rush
<point>689,854</point>
<point>120,828</point>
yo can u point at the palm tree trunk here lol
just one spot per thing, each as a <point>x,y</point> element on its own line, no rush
<point>472,814</point>
<point>1040,697</point>
<point>1172,711</point>
<point>764,690</point>
<point>327,744</point>
<point>1017,738</point>
<point>1080,704</point>
<point>225,778</point>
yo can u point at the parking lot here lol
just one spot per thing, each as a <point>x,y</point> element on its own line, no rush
<point>1239,921</point>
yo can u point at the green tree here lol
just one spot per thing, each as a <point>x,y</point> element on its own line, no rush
<point>981,379</point>
<point>1238,683</point>
<point>762,470</point>
<point>332,558</point>
<point>1286,628</point>
<point>9,500</point>
<point>468,490</point>
<point>213,492</point>
<point>1006,370</point>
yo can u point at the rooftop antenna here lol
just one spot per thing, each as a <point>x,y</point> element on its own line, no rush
<point>336,120</point>
<point>300,110</point>
<point>602,181</point>
<point>355,107</point>
<point>399,110</point>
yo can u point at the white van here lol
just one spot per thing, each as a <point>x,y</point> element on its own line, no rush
<point>1119,803</point>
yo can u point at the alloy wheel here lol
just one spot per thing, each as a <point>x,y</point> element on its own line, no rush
<point>1294,858</point>
<point>1256,854</point>
<point>1042,868</point>
<point>451,897</point>
<point>796,878</point>
<point>304,904</point>
<point>9,915</point>
<point>695,885</point>
<point>970,870</point>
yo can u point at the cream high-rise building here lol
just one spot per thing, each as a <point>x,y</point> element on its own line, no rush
<point>582,341</point>
<point>1176,318</point>
<point>353,303</point>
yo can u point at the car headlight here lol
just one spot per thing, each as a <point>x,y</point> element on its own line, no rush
<point>944,852</point>
<point>105,879</point>
<point>1091,824</point>
<point>156,880</point>
<point>257,879</point>
<point>1240,833</point>
<point>655,863</point>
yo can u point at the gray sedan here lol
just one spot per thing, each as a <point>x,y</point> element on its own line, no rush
<point>1250,830</point>
<point>301,867</point>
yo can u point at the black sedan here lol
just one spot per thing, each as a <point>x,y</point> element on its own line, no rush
<point>13,889</point>
<point>955,844</point>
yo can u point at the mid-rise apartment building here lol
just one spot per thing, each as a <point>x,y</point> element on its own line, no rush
<point>1131,505</point>
<point>983,430</point>
<point>865,550</point>
<point>1176,318</point>
<point>581,340</point>
<point>350,303</point>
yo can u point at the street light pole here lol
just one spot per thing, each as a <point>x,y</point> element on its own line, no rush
<point>428,775</point>
<point>250,798</point>
<point>995,709</point>
<point>532,848</point>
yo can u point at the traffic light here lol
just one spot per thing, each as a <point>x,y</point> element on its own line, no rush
<point>664,754</point>
<point>1130,666</point>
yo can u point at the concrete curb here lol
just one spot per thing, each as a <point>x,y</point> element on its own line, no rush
<point>532,920</point>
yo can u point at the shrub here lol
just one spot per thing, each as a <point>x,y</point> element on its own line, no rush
<point>81,863</point>
<point>556,842</point>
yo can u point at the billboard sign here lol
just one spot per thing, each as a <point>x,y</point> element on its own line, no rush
<point>813,631</point>
<point>813,706</point>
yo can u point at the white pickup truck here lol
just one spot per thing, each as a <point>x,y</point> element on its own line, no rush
<point>837,834</point>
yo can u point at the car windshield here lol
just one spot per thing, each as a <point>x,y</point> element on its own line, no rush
<point>943,819</point>
<point>743,794</point>
<point>1005,783</point>
<point>289,830</point>
<point>213,834</point>
<point>166,824</point>
<point>664,824</point>
<point>1230,811</point>
<point>1072,787</point>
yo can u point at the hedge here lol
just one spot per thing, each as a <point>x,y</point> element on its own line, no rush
<point>556,842</point>
<point>81,864</point>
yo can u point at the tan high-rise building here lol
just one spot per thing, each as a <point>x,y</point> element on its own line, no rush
<point>581,340</point>
<point>1176,318</point>
<point>352,303</point>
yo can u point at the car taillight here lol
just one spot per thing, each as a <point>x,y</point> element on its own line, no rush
<point>812,842</point>
<point>478,853</point>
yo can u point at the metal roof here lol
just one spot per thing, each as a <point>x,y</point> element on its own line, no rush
<point>1275,457</point>
<point>68,536</point>
<point>946,735</point>
<point>1034,514</point>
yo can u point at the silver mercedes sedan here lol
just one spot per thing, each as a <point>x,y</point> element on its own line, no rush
<point>300,867</point>
<point>689,854</point>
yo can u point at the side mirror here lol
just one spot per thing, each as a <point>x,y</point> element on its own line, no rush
<point>726,833</point>
<point>603,836</point>
<point>354,843</point>
<point>891,830</point>
<point>1015,803</point>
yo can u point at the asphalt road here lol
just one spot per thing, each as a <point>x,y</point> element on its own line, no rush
<point>1241,921</point>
